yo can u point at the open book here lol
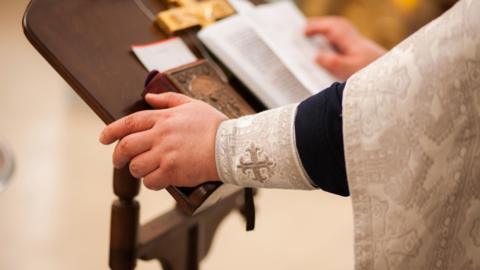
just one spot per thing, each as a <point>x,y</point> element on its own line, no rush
<point>265,47</point>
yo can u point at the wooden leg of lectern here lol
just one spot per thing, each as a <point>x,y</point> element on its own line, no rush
<point>180,242</point>
<point>124,221</point>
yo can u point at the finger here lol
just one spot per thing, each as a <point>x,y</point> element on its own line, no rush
<point>317,26</point>
<point>166,100</point>
<point>155,180</point>
<point>144,164</point>
<point>322,25</point>
<point>136,122</point>
<point>131,146</point>
<point>338,31</point>
<point>331,61</point>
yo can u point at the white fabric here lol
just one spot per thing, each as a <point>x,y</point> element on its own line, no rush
<point>260,151</point>
<point>412,148</point>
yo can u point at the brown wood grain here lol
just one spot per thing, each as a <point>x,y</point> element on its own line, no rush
<point>88,43</point>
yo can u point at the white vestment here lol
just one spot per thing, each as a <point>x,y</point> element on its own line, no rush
<point>411,123</point>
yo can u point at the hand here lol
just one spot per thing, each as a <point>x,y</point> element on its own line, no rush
<point>352,50</point>
<point>174,145</point>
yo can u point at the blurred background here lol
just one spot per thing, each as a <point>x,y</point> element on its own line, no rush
<point>55,212</point>
<point>385,21</point>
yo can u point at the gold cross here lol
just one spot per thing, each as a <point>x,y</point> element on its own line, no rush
<point>190,13</point>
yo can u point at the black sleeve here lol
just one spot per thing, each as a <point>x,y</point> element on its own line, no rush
<point>319,137</point>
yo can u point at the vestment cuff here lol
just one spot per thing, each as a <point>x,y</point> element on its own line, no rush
<point>260,151</point>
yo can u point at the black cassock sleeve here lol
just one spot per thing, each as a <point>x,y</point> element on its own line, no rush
<point>319,138</point>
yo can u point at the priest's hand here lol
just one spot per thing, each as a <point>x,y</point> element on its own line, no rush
<point>172,145</point>
<point>352,50</point>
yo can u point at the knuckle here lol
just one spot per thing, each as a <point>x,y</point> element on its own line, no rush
<point>123,146</point>
<point>166,131</point>
<point>160,120</point>
<point>167,165</point>
<point>170,170</point>
<point>129,122</point>
<point>162,131</point>
<point>166,114</point>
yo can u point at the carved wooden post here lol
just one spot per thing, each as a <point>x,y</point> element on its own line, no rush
<point>124,221</point>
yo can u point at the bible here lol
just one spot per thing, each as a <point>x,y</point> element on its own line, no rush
<point>277,66</point>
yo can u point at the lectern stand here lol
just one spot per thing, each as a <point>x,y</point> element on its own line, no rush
<point>88,43</point>
<point>177,240</point>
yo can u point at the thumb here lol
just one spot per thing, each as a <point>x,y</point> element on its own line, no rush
<point>166,100</point>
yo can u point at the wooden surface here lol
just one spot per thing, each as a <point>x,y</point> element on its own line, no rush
<point>88,43</point>
<point>124,221</point>
<point>180,242</point>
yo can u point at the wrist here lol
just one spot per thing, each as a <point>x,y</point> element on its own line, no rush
<point>213,169</point>
<point>216,151</point>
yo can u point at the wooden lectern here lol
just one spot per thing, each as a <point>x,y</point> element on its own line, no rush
<point>88,43</point>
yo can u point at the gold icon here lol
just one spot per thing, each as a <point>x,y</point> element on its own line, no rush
<point>190,13</point>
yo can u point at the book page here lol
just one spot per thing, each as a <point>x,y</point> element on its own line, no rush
<point>240,48</point>
<point>281,25</point>
<point>164,55</point>
<point>241,5</point>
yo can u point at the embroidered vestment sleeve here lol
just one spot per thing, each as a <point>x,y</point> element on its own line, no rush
<point>260,151</point>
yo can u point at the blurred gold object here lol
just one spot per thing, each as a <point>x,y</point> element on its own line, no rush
<point>406,5</point>
<point>190,13</point>
<point>385,21</point>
